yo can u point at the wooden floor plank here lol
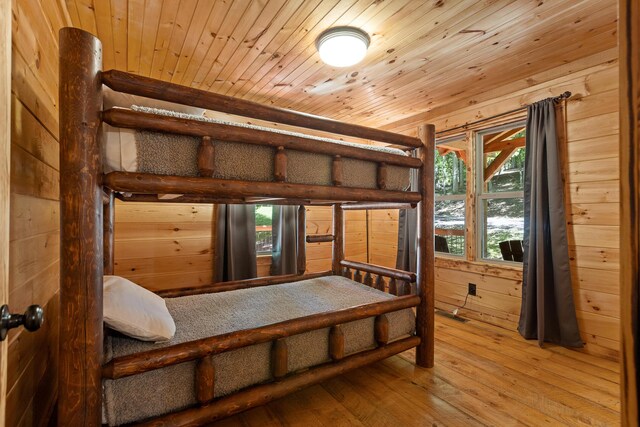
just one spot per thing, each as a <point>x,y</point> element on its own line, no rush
<point>563,376</point>
<point>511,412</point>
<point>417,404</point>
<point>574,354</point>
<point>484,375</point>
<point>591,365</point>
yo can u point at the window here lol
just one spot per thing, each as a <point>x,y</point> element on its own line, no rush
<point>451,189</point>
<point>500,191</point>
<point>264,240</point>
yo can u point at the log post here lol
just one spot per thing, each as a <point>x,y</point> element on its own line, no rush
<point>302,241</point>
<point>425,272</point>
<point>336,343</point>
<point>382,176</point>
<point>406,288</point>
<point>108,229</point>
<point>629,45</point>
<point>205,380</point>
<point>280,165</point>
<point>379,284</point>
<point>206,157</point>
<point>368,279</point>
<point>81,260</point>
<point>358,276</point>
<point>336,171</point>
<point>279,358</point>
<point>338,239</point>
<point>393,287</point>
<point>381,329</point>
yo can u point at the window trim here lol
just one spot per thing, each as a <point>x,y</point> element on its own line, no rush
<point>480,195</point>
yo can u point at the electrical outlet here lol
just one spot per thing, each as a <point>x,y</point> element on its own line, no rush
<point>472,289</point>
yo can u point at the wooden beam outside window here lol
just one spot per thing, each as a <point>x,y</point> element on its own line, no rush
<point>497,163</point>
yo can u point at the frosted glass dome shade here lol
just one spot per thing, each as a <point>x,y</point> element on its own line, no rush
<point>342,46</point>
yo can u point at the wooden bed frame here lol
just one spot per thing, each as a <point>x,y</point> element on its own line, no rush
<point>87,221</point>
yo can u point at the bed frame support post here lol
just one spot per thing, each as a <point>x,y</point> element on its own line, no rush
<point>302,239</point>
<point>280,165</point>
<point>205,380</point>
<point>338,239</point>
<point>381,329</point>
<point>425,274</point>
<point>336,343</point>
<point>382,176</point>
<point>108,230</point>
<point>81,264</point>
<point>358,276</point>
<point>206,157</point>
<point>279,358</point>
<point>336,171</point>
<point>393,287</point>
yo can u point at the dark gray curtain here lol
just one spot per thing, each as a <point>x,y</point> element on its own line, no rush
<point>406,258</point>
<point>235,243</point>
<point>285,239</point>
<point>548,311</point>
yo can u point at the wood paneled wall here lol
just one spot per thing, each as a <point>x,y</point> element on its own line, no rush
<point>34,232</point>
<point>161,246</point>
<point>383,237</point>
<point>319,221</point>
<point>592,179</point>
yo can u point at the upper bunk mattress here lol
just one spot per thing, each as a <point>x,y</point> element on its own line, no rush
<point>170,154</point>
<point>170,389</point>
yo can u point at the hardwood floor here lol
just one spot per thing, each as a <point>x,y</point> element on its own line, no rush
<point>484,375</point>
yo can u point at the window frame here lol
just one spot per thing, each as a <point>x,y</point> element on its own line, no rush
<point>453,197</point>
<point>481,196</point>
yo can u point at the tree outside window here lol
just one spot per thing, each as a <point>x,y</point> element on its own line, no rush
<point>264,237</point>
<point>450,194</point>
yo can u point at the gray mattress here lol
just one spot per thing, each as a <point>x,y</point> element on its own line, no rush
<point>170,154</point>
<point>170,389</point>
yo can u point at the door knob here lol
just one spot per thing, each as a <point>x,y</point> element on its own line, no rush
<point>32,319</point>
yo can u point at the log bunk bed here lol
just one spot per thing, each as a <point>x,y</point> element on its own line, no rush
<point>87,223</point>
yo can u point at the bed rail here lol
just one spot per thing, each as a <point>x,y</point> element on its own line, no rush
<point>204,199</point>
<point>398,283</point>
<point>320,238</point>
<point>240,284</point>
<point>380,270</point>
<point>133,182</point>
<point>377,206</point>
<point>125,118</point>
<point>261,394</point>
<point>151,88</point>
<point>162,357</point>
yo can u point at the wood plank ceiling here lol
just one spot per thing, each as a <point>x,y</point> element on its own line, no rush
<point>423,54</point>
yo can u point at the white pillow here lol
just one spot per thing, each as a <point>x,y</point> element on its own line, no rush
<point>125,100</point>
<point>135,311</point>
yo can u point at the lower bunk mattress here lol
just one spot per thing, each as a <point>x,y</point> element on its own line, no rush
<point>170,389</point>
<point>169,154</point>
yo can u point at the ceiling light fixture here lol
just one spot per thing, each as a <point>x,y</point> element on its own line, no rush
<point>342,46</point>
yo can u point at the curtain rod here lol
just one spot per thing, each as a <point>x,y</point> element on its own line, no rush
<point>562,96</point>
